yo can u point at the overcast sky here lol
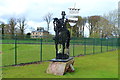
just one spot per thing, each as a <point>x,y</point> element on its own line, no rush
<point>34,10</point>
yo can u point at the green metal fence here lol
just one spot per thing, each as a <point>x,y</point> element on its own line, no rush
<point>26,50</point>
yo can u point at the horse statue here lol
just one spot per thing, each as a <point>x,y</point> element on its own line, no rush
<point>62,37</point>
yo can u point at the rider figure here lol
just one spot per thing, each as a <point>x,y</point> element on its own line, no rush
<point>62,35</point>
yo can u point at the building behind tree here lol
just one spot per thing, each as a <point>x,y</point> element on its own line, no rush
<point>40,32</point>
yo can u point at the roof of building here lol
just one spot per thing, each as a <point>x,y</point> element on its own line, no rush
<point>40,29</point>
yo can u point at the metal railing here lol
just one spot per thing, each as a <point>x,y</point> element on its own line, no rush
<point>26,50</point>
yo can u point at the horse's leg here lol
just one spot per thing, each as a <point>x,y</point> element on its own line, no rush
<point>67,48</point>
<point>68,39</point>
<point>56,46</point>
<point>67,44</point>
<point>63,49</point>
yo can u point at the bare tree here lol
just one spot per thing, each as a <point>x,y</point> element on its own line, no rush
<point>81,23</point>
<point>104,29</point>
<point>48,19</point>
<point>84,21</point>
<point>93,23</point>
<point>2,25</point>
<point>12,23</point>
<point>21,24</point>
<point>112,17</point>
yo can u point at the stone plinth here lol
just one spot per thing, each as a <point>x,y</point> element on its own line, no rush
<point>59,68</point>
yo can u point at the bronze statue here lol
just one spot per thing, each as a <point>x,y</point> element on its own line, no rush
<point>62,36</point>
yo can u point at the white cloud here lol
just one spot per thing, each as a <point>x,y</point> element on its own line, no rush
<point>13,6</point>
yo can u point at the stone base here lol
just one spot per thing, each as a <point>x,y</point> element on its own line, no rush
<point>59,68</point>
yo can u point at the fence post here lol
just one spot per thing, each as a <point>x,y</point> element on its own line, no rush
<point>107,44</point>
<point>15,50</point>
<point>117,43</point>
<point>73,50</point>
<point>84,46</point>
<point>41,49</point>
<point>93,45</point>
<point>101,45</point>
<point>112,44</point>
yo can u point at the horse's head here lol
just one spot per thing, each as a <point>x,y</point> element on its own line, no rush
<point>57,24</point>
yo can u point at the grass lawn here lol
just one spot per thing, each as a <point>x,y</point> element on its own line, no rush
<point>102,65</point>
<point>31,52</point>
